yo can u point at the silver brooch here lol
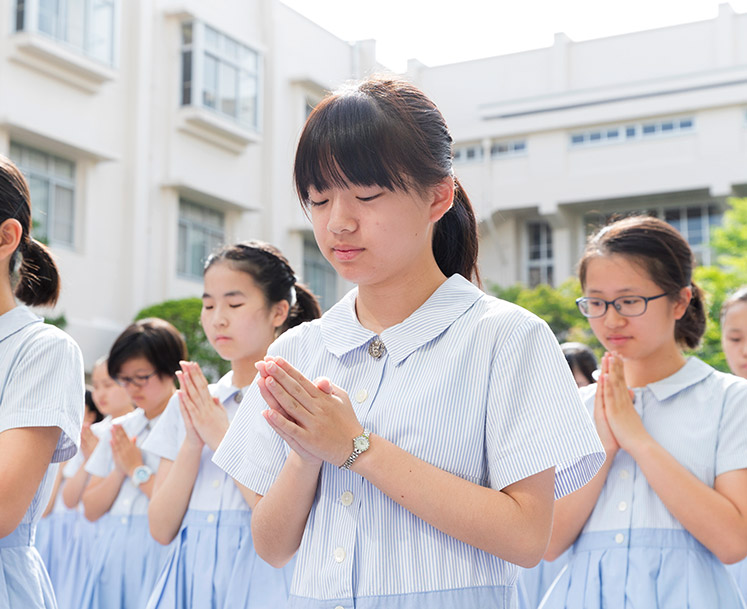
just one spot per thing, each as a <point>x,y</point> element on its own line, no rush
<point>376,348</point>
<point>238,396</point>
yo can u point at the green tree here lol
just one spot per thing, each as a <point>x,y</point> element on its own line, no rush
<point>184,314</point>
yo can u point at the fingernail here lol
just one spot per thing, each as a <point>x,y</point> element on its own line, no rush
<point>271,366</point>
<point>270,380</point>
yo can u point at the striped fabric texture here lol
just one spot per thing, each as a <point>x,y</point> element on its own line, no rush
<point>471,384</point>
<point>41,385</point>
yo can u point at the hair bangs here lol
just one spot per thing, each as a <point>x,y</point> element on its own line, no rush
<point>348,141</point>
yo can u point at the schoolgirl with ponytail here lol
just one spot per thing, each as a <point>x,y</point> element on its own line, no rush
<point>418,432</point>
<point>670,503</point>
<point>250,297</point>
<point>41,396</point>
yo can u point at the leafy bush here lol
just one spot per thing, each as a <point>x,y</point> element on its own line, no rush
<point>184,314</point>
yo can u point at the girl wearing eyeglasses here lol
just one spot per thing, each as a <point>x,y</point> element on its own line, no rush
<point>143,360</point>
<point>250,297</point>
<point>41,396</point>
<point>669,505</point>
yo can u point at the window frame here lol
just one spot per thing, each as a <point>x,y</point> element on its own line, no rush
<point>192,227</point>
<point>545,262</point>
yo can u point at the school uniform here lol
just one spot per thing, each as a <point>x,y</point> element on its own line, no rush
<point>739,573</point>
<point>127,559</point>
<point>41,385</point>
<point>473,385</point>
<point>533,583</point>
<point>632,552</point>
<point>212,562</point>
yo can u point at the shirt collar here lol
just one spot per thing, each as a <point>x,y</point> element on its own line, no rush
<point>224,388</point>
<point>691,373</point>
<point>342,332</point>
<point>15,319</point>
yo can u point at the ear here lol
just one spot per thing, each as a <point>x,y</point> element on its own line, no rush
<point>11,232</point>
<point>683,302</point>
<point>443,198</point>
<point>279,313</point>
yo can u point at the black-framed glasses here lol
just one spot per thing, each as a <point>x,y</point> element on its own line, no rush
<point>139,380</point>
<point>627,306</point>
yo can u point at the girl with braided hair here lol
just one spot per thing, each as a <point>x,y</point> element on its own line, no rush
<point>250,297</point>
<point>41,397</point>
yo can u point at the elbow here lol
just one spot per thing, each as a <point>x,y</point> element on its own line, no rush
<point>553,552</point>
<point>733,552</point>
<point>269,553</point>
<point>531,556</point>
<point>160,536</point>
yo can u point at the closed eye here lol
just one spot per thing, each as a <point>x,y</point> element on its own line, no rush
<point>236,306</point>
<point>371,198</point>
<point>317,203</point>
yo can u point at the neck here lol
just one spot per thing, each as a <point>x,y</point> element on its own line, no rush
<point>664,363</point>
<point>121,412</point>
<point>7,300</point>
<point>244,370</point>
<point>381,306</point>
<point>152,414</point>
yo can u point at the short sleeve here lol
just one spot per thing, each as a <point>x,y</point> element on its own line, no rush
<point>73,465</point>
<point>168,433</point>
<point>535,417</point>
<point>101,462</point>
<point>251,452</point>
<point>731,452</point>
<point>45,389</point>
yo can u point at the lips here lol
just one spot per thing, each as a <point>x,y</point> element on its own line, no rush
<point>345,253</point>
<point>618,340</point>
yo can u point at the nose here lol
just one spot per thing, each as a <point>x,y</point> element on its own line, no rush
<point>613,319</point>
<point>340,219</point>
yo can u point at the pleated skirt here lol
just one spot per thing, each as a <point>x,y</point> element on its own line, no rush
<point>69,580</point>
<point>125,564</point>
<point>739,572</point>
<point>532,584</point>
<point>24,581</point>
<point>649,568</point>
<point>212,564</point>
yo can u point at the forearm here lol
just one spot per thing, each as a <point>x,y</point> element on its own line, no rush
<point>513,524</point>
<point>279,518</point>
<point>572,511</point>
<point>708,515</point>
<point>249,495</point>
<point>73,489</point>
<point>101,493</point>
<point>172,493</point>
<point>55,490</point>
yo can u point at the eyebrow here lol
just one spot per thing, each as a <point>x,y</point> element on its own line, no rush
<point>227,294</point>
<point>621,291</point>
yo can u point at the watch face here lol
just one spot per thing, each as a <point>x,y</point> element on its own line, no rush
<point>361,443</point>
<point>141,474</point>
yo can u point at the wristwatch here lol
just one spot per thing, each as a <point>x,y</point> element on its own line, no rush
<point>361,444</point>
<point>141,474</point>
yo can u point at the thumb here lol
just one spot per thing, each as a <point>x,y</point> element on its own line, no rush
<point>631,393</point>
<point>216,401</point>
<point>324,384</point>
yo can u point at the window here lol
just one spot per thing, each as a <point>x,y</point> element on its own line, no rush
<point>88,26</point>
<point>540,260</point>
<point>52,186</point>
<point>220,74</point>
<point>619,133</point>
<point>467,153</point>
<point>319,274</point>
<point>201,230</point>
<point>499,150</point>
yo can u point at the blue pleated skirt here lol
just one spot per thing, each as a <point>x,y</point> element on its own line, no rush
<point>739,572</point>
<point>23,577</point>
<point>125,564</point>
<point>532,584</point>
<point>651,568</point>
<point>212,564</point>
<point>68,582</point>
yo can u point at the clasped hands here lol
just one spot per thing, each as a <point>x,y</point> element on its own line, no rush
<point>617,422</point>
<point>316,418</point>
<point>204,416</point>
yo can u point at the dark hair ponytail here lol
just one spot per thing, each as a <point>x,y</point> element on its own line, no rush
<point>38,277</point>
<point>273,275</point>
<point>386,132</point>
<point>667,258</point>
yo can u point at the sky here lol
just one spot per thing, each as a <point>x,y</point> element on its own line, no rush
<point>438,32</point>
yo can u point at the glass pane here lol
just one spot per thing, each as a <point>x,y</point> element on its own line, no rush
<point>231,49</point>
<point>212,39</point>
<point>686,123</point>
<point>577,138</point>
<point>63,215</point>
<point>48,17</point>
<point>520,146</point>
<point>613,134</point>
<point>672,216</point>
<point>186,78</point>
<point>101,34</point>
<point>20,15</point>
<point>667,126</point>
<point>649,129</point>
<point>249,60</point>
<point>228,89</point>
<point>37,161</point>
<point>630,131</point>
<point>535,277</point>
<point>39,190</point>
<point>210,82</point>
<point>181,265</point>
<point>15,153</point>
<point>595,136</point>
<point>695,226</point>
<point>63,168</point>
<point>187,33</point>
<point>75,21</point>
<point>550,278</point>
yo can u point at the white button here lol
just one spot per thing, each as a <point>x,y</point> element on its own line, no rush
<point>127,502</point>
<point>361,395</point>
<point>339,554</point>
<point>624,474</point>
<point>339,607</point>
<point>346,498</point>
<point>211,518</point>
<point>216,483</point>
<point>622,506</point>
<point>124,520</point>
<point>619,538</point>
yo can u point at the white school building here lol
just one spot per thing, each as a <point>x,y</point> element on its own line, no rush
<point>153,130</point>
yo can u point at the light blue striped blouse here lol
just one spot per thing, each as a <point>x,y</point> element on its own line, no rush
<point>471,384</point>
<point>41,385</point>
<point>699,415</point>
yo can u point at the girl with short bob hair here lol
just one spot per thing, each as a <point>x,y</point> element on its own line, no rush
<point>670,503</point>
<point>144,360</point>
<point>441,471</point>
<point>250,297</point>
<point>41,396</point>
